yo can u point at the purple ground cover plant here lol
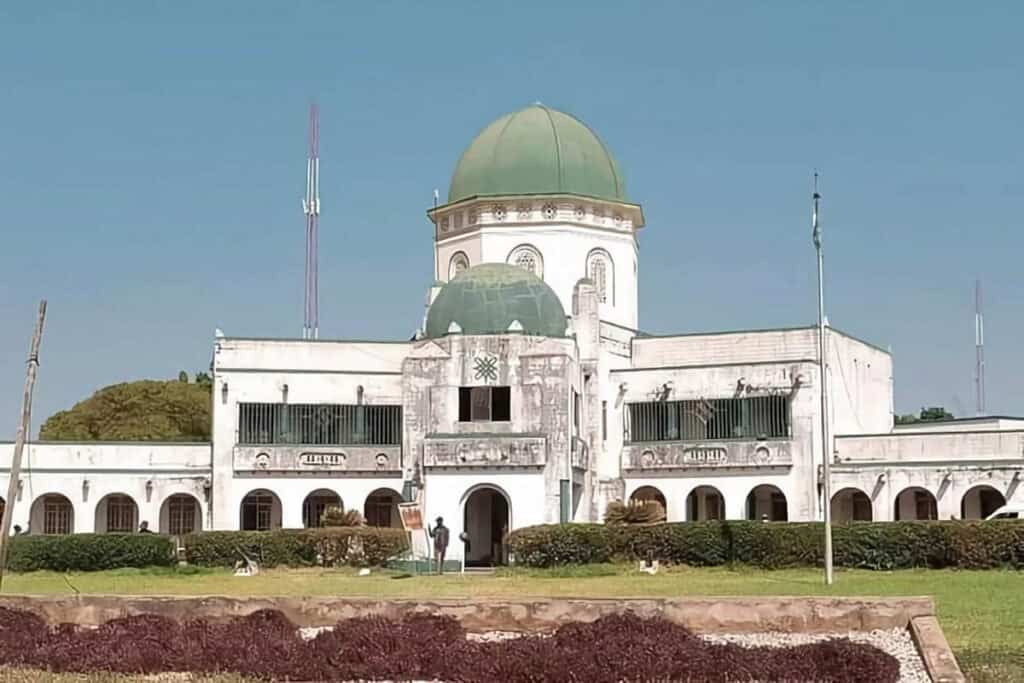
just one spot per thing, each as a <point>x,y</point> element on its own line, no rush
<point>266,645</point>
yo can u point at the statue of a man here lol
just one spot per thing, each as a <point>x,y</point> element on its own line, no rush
<point>440,535</point>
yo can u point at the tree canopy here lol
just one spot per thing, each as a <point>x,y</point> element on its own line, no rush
<point>934,414</point>
<point>146,410</point>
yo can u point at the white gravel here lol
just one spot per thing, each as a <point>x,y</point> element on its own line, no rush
<point>897,642</point>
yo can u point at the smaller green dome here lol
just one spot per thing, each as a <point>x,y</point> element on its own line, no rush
<point>490,297</point>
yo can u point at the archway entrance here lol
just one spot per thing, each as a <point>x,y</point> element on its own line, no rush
<point>314,505</point>
<point>486,520</point>
<point>116,514</point>
<point>705,503</point>
<point>767,502</point>
<point>980,502</point>
<point>181,514</point>
<point>649,493</point>
<point>381,509</point>
<point>915,503</point>
<point>52,514</point>
<point>260,511</point>
<point>851,505</point>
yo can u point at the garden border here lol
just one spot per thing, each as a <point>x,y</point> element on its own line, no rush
<point>702,615</point>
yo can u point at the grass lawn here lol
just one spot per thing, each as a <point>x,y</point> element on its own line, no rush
<point>982,612</point>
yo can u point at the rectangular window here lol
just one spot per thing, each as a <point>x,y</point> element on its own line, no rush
<point>604,420</point>
<point>758,417</point>
<point>576,410</point>
<point>120,515</point>
<point>319,424</point>
<point>485,404</point>
<point>926,505</point>
<point>181,515</point>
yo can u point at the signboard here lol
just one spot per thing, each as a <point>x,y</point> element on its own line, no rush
<point>705,455</point>
<point>412,516</point>
<point>322,459</point>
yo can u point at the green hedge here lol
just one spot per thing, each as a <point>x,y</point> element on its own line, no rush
<point>89,552</point>
<point>879,545</point>
<point>331,547</point>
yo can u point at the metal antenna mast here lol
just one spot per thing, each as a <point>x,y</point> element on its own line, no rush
<point>311,208</point>
<point>979,349</point>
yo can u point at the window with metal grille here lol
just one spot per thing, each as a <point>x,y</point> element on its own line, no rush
<point>758,417</point>
<point>57,515</point>
<point>181,515</point>
<point>257,511</point>
<point>319,425</point>
<point>379,508</point>
<point>598,273</point>
<point>925,505</point>
<point>120,515</point>
<point>485,404</point>
<point>314,505</point>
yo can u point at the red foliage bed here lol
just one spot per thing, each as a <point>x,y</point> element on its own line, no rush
<point>266,645</point>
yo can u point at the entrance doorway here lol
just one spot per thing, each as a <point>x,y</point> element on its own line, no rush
<point>486,521</point>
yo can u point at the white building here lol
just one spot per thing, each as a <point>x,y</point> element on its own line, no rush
<point>530,396</point>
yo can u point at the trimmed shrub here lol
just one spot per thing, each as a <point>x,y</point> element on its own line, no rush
<point>864,545</point>
<point>331,547</point>
<point>89,552</point>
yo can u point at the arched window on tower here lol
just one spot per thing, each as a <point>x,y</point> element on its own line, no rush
<point>528,258</point>
<point>599,270</point>
<point>459,263</point>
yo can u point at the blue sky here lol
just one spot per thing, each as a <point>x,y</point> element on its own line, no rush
<point>152,163</point>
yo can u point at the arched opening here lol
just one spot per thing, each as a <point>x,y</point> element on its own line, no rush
<point>260,511</point>
<point>915,503</point>
<point>649,493</point>
<point>315,504</point>
<point>851,505</point>
<point>116,513</point>
<point>528,258</point>
<point>486,520</point>
<point>704,503</point>
<point>601,273</point>
<point>981,501</point>
<point>767,503</point>
<point>52,514</point>
<point>458,263</point>
<point>180,514</point>
<point>381,508</point>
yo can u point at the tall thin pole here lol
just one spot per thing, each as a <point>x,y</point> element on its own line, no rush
<point>979,350</point>
<point>19,440</point>
<point>826,450</point>
<point>311,209</point>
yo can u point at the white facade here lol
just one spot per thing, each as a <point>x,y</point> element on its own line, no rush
<point>494,432</point>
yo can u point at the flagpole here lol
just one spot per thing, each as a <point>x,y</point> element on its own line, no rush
<point>826,454</point>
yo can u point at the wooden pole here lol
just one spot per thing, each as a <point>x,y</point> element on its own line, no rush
<point>19,441</point>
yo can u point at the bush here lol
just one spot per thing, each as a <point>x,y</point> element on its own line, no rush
<point>634,512</point>
<point>332,547</point>
<point>865,545</point>
<point>89,552</point>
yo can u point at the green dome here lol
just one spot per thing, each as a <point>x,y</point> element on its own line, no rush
<point>537,150</point>
<point>488,298</point>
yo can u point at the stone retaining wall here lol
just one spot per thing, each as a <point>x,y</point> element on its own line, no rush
<point>703,615</point>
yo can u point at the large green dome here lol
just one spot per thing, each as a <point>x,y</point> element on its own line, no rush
<point>537,150</point>
<point>488,298</point>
